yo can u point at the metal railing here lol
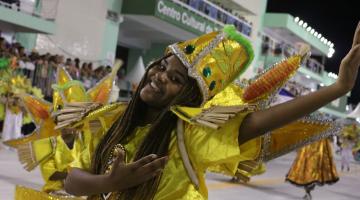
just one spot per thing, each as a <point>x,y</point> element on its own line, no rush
<point>215,14</point>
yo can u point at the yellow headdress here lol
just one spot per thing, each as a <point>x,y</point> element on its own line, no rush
<point>253,95</point>
<point>215,59</point>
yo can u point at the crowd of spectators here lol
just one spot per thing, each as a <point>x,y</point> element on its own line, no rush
<point>221,13</point>
<point>9,3</point>
<point>41,68</point>
<point>296,89</point>
<point>282,49</point>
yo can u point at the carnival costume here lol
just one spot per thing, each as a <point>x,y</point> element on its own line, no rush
<point>45,147</point>
<point>206,138</point>
<point>11,85</point>
<point>313,165</point>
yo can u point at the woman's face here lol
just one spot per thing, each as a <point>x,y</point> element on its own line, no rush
<point>163,82</point>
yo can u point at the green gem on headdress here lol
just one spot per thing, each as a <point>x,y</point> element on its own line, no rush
<point>207,72</point>
<point>189,49</point>
<point>212,85</point>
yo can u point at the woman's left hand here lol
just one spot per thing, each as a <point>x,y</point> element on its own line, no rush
<point>349,66</point>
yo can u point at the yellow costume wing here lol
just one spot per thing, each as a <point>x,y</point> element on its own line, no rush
<point>218,110</point>
<point>70,90</point>
<point>100,93</point>
<point>303,132</point>
<point>39,110</point>
<point>272,79</point>
<point>33,153</point>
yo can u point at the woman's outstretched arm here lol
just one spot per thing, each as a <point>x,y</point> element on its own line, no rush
<point>260,122</point>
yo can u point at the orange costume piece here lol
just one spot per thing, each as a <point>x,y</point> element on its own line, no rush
<point>314,165</point>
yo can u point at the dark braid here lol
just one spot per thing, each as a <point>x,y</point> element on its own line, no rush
<point>157,139</point>
<point>121,128</point>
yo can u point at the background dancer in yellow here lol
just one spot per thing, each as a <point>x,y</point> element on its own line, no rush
<point>54,153</point>
<point>313,165</point>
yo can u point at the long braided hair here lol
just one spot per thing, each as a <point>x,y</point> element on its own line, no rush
<point>157,139</point>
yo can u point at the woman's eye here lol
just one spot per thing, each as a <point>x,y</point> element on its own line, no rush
<point>176,80</point>
<point>162,67</point>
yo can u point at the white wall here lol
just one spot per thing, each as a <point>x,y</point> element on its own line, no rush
<point>80,26</point>
<point>257,7</point>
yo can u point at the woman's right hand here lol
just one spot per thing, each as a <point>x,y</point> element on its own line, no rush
<point>123,176</point>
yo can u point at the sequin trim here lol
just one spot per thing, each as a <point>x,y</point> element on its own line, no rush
<point>242,84</point>
<point>265,70</point>
<point>192,72</point>
<point>178,52</point>
<point>313,119</point>
<point>209,48</point>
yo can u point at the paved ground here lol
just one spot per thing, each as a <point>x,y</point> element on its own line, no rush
<point>269,186</point>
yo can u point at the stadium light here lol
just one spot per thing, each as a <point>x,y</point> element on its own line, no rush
<point>332,75</point>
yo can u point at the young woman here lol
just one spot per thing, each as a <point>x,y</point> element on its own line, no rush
<point>138,157</point>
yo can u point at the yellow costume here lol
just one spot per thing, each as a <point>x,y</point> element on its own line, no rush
<point>24,193</point>
<point>62,159</point>
<point>206,138</point>
<point>208,148</point>
<point>46,148</point>
<point>314,164</point>
<point>11,85</point>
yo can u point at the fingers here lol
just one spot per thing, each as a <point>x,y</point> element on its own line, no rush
<point>354,55</point>
<point>151,169</point>
<point>142,161</point>
<point>155,166</point>
<point>356,39</point>
<point>119,158</point>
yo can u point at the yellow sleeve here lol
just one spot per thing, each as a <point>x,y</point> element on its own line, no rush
<point>60,162</point>
<point>63,155</point>
<point>79,147</point>
<point>92,136</point>
<point>219,150</point>
<point>47,169</point>
<point>84,150</point>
